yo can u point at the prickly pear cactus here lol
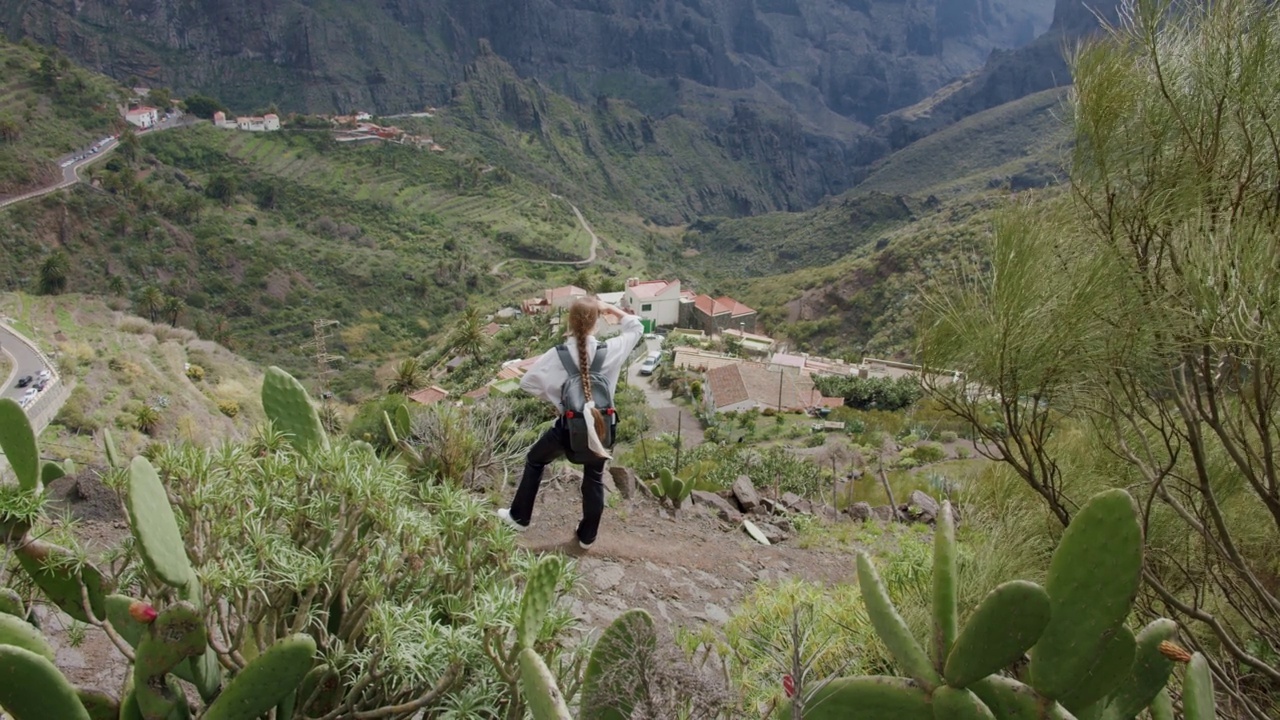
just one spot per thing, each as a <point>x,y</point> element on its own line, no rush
<point>539,594</point>
<point>1108,672</point>
<point>33,689</point>
<point>1197,690</point>
<point>540,689</point>
<point>153,523</point>
<point>19,445</point>
<point>1148,675</point>
<point>891,628</point>
<point>109,446</point>
<point>946,615</point>
<point>59,574</point>
<point>98,704</point>
<point>289,407</point>
<point>956,704</point>
<point>51,471</point>
<point>18,632</point>
<point>874,698</point>
<point>1005,625</point>
<point>1092,582</point>
<point>177,634</point>
<point>266,680</point>
<point>11,603</point>
<point>610,687</point>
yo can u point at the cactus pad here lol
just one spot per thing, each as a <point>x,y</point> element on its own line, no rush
<point>954,704</point>
<point>1148,676</point>
<point>404,424</point>
<point>287,404</point>
<point>19,445</point>
<point>539,594</point>
<point>122,621</point>
<point>18,632</point>
<point>610,686</point>
<point>1009,699</point>
<point>1005,625</point>
<point>98,704</point>
<point>266,680</point>
<point>1197,690</point>
<point>109,446</point>
<point>1162,706</point>
<point>1092,582</point>
<point>540,690</point>
<point>178,633</point>
<point>872,698</point>
<point>1107,673</point>
<point>33,689</point>
<point>50,471</point>
<point>945,613</point>
<point>891,628</point>
<point>59,574</point>
<point>154,525</point>
<point>11,603</point>
<point>325,685</point>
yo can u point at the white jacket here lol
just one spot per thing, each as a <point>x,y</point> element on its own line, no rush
<point>547,375</point>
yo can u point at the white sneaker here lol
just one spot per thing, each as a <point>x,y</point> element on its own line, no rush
<point>505,516</point>
<point>585,546</point>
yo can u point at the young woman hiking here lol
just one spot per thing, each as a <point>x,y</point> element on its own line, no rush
<point>545,379</point>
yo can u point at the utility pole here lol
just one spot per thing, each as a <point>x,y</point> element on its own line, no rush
<point>319,344</point>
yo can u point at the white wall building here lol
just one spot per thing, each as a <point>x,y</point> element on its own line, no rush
<point>267,123</point>
<point>142,117</point>
<point>656,300</point>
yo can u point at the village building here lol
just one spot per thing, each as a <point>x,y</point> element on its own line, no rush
<point>253,123</point>
<point>657,301</point>
<point>429,395</point>
<point>714,316</point>
<point>749,385</point>
<point>144,117</point>
<point>554,299</point>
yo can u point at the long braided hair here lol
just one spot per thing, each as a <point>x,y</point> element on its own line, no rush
<point>583,316</point>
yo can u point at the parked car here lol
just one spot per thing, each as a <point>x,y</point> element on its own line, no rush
<point>650,363</point>
<point>24,381</point>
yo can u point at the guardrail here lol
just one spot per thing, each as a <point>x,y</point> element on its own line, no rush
<point>45,407</point>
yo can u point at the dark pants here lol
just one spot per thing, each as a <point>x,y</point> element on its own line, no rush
<point>553,445</point>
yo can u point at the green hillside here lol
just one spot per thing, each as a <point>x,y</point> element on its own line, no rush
<point>48,107</point>
<point>1017,145</point>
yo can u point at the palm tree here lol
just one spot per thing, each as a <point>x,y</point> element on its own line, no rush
<point>409,377</point>
<point>146,419</point>
<point>468,335</point>
<point>116,285</point>
<point>151,301</point>
<point>173,307</point>
<point>53,273</point>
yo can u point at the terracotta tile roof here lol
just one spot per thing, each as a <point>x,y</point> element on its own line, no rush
<point>785,360</point>
<point>479,393</point>
<point>732,384</point>
<point>567,291</point>
<point>430,395</point>
<point>720,306</point>
<point>492,329</point>
<point>650,289</point>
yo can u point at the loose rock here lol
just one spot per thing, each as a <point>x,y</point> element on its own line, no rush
<point>625,480</point>
<point>745,493</point>
<point>922,508</point>
<point>884,513</point>
<point>860,511</point>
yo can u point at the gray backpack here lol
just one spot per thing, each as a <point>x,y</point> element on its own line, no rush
<point>572,399</point>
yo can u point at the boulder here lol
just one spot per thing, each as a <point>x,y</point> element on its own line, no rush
<point>791,501</point>
<point>723,508</point>
<point>772,533</point>
<point>859,511</point>
<point>625,479</point>
<point>922,508</point>
<point>826,512</point>
<point>884,513</point>
<point>745,493</point>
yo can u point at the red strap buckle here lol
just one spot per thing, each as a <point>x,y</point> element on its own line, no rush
<point>569,414</point>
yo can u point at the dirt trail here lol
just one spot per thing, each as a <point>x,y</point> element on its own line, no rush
<point>686,571</point>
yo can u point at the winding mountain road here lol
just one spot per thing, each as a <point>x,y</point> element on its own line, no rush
<point>591,257</point>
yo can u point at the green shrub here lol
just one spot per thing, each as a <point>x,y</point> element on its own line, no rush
<point>76,414</point>
<point>230,408</point>
<point>195,373</point>
<point>929,452</point>
<point>947,437</point>
<point>963,452</point>
<point>815,440</point>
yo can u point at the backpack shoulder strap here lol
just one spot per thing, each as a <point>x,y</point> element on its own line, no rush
<point>566,359</point>
<point>597,363</point>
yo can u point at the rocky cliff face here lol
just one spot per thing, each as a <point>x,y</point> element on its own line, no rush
<point>1007,75</point>
<point>794,88</point>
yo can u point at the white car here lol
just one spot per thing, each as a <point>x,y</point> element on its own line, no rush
<point>650,363</point>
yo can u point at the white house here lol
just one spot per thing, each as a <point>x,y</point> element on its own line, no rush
<point>220,120</point>
<point>656,300</point>
<point>142,117</point>
<point>267,123</point>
